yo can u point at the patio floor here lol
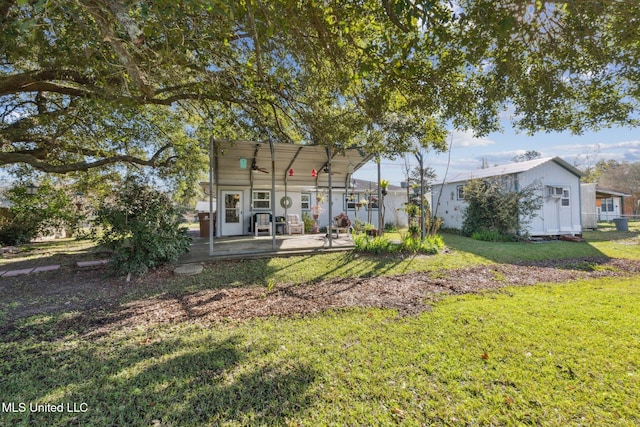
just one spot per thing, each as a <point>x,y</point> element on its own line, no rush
<point>239,247</point>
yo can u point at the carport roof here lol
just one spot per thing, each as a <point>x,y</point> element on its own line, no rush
<point>302,159</point>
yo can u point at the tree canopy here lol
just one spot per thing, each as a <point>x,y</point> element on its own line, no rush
<point>95,83</point>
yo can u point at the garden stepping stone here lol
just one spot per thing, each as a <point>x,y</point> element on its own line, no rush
<point>95,263</point>
<point>46,268</point>
<point>188,269</point>
<point>14,273</point>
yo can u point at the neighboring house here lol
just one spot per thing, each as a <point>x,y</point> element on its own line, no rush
<point>601,205</point>
<point>559,184</point>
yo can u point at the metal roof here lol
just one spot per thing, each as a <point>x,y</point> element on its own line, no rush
<point>510,169</point>
<point>302,159</point>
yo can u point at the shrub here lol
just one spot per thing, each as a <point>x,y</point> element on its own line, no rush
<point>493,205</point>
<point>493,236</point>
<point>376,245</point>
<point>142,226</point>
<point>430,245</point>
<point>308,222</point>
<point>390,227</point>
<point>37,214</point>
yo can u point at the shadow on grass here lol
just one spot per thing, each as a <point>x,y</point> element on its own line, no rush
<point>145,381</point>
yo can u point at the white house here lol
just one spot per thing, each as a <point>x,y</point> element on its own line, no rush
<point>559,188</point>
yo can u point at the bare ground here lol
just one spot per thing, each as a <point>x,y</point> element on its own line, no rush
<point>93,299</point>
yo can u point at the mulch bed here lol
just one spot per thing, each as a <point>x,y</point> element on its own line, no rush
<point>96,315</point>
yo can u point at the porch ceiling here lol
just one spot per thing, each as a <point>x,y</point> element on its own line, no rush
<point>301,158</point>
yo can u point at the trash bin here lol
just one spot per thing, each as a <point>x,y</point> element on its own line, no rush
<point>622,224</point>
<point>203,218</point>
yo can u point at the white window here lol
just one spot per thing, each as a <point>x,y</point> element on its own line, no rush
<point>565,199</point>
<point>460,192</point>
<point>305,201</point>
<point>607,205</point>
<point>261,200</point>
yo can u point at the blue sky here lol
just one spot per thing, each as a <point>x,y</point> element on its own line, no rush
<point>621,144</point>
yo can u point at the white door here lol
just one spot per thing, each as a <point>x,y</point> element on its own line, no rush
<point>232,222</point>
<point>565,215</point>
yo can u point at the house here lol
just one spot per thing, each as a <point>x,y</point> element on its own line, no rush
<point>250,177</point>
<point>559,188</point>
<point>601,205</point>
<point>361,199</point>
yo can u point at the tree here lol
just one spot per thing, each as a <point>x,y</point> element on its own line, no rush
<point>100,82</point>
<point>49,209</point>
<point>526,156</point>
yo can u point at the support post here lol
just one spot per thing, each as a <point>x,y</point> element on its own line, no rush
<point>211,151</point>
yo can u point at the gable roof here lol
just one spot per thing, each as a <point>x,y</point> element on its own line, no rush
<point>510,169</point>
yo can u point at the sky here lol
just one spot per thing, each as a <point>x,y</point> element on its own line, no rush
<point>582,151</point>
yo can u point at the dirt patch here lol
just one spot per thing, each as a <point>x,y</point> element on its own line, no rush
<point>94,301</point>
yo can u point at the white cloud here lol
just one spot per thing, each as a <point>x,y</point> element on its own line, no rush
<point>466,139</point>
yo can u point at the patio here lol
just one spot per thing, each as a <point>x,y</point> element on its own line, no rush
<point>241,247</point>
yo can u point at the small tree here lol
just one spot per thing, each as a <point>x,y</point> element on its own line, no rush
<point>30,215</point>
<point>492,205</point>
<point>142,226</point>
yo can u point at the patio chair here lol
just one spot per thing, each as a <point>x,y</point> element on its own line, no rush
<point>262,223</point>
<point>294,224</point>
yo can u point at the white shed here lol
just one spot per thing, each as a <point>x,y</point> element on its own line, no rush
<point>559,184</point>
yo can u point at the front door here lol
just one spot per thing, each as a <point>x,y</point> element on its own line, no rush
<point>232,214</point>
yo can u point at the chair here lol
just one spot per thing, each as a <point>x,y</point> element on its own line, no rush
<point>262,223</point>
<point>294,224</point>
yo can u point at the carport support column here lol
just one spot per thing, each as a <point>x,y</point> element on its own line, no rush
<point>329,227</point>
<point>273,195</point>
<point>211,151</point>
<point>380,207</point>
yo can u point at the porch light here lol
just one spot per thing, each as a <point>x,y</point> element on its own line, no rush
<point>290,172</point>
<point>243,163</point>
<point>314,173</point>
<point>31,189</point>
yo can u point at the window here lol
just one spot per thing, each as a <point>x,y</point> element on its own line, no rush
<point>565,200</point>
<point>607,205</point>
<point>262,200</point>
<point>305,201</point>
<point>460,192</point>
<point>350,201</point>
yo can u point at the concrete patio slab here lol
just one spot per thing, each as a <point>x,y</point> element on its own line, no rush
<point>240,247</point>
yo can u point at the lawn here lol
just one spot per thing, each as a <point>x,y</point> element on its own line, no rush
<point>553,354</point>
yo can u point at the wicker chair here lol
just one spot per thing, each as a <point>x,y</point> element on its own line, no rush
<point>294,224</point>
<point>262,223</point>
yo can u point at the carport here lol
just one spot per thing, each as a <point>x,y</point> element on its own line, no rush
<point>236,166</point>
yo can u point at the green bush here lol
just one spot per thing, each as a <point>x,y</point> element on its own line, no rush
<point>14,233</point>
<point>308,222</point>
<point>142,226</point>
<point>430,245</point>
<point>376,245</point>
<point>495,205</point>
<point>390,227</point>
<point>493,236</point>
<point>31,215</point>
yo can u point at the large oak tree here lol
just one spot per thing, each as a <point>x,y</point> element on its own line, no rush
<point>90,83</point>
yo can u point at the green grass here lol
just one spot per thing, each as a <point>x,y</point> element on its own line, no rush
<point>552,355</point>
